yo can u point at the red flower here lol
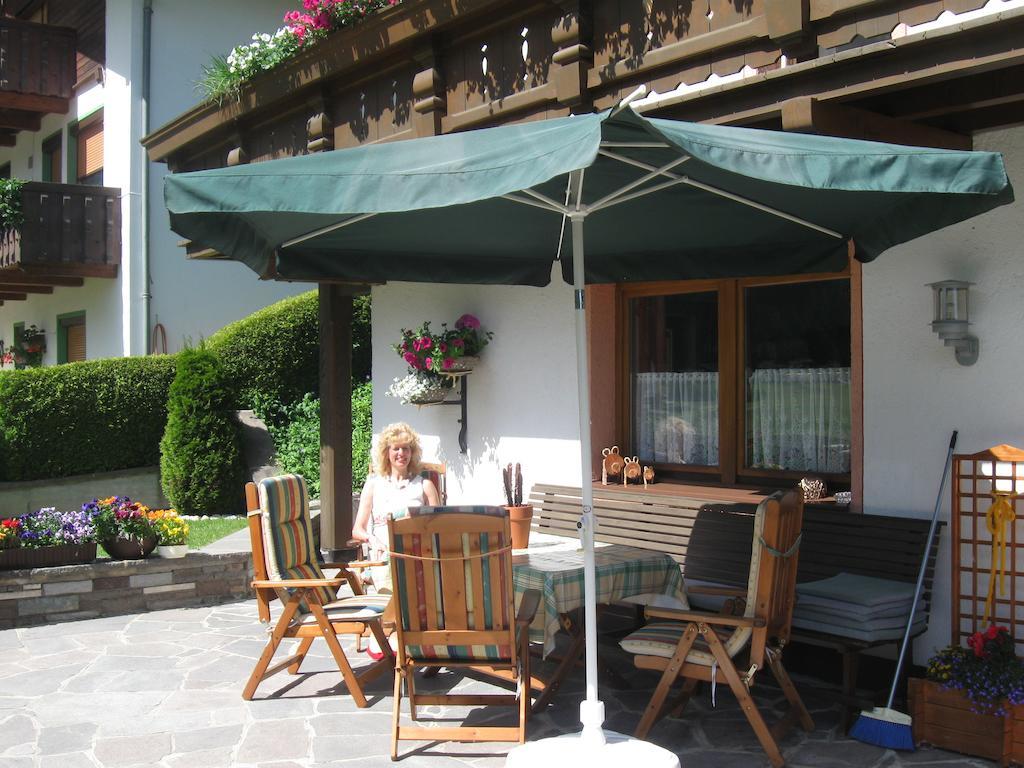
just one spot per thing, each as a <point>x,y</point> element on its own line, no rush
<point>991,632</point>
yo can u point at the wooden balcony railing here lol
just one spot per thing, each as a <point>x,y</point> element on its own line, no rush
<point>69,230</point>
<point>37,66</point>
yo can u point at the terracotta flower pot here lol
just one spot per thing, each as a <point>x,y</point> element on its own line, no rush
<point>521,518</point>
<point>129,549</point>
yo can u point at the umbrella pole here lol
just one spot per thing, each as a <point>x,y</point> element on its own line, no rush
<point>591,708</point>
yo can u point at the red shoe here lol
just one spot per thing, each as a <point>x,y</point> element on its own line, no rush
<point>375,655</point>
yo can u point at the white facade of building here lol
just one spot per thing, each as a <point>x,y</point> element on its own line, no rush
<point>522,398</point>
<point>189,300</point>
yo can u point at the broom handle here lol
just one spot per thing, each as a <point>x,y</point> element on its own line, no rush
<point>920,574</point>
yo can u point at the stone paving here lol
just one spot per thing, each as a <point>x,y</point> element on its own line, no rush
<point>164,689</point>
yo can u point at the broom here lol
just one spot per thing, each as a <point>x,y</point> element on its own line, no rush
<point>885,726</point>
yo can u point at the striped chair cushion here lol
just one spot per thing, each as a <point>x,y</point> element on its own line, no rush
<point>357,608</point>
<point>481,613</point>
<point>288,532</point>
<point>660,638</point>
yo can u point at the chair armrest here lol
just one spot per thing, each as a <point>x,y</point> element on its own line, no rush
<point>296,583</point>
<point>707,618</point>
<point>528,607</point>
<point>358,565</point>
<point>720,591</point>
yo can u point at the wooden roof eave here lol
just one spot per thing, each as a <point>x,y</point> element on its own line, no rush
<point>356,46</point>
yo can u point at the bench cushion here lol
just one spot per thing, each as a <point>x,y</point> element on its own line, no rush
<point>866,591</point>
<point>861,633</point>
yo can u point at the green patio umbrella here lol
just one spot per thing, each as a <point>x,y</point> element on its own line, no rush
<point>647,199</point>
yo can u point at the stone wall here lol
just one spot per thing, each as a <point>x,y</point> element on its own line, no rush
<point>64,493</point>
<point>113,587</point>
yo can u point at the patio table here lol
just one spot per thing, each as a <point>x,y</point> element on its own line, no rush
<point>622,572</point>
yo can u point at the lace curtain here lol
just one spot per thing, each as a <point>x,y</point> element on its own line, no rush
<point>799,418</point>
<point>676,417</point>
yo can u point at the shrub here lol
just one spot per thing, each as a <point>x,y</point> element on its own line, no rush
<point>95,416</point>
<point>274,351</point>
<point>200,459</point>
<point>295,430</point>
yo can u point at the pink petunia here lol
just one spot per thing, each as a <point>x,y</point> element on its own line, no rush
<point>458,343</point>
<point>410,358</point>
<point>467,321</point>
<point>429,362</point>
<point>426,343</point>
<point>442,347</point>
<point>447,363</point>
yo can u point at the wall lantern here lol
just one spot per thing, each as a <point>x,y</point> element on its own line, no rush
<point>950,318</point>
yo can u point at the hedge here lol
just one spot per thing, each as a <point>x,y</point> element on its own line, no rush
<point>274,351</point>
<point>95,416</point>
<point>201,466</point>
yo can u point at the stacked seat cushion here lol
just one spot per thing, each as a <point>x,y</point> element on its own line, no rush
<point>859,607</point>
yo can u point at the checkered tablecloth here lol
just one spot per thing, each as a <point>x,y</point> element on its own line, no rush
<point>621,572</point>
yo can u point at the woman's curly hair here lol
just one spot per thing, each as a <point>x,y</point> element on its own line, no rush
<point>402,434</point>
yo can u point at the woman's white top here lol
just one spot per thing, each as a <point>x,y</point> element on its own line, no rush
<point>390,497</point>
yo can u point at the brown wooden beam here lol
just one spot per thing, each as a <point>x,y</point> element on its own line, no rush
<point>33,102</point>
<point>20,120</point>
<point>70,270</point>
<point>12,297</point>
<point>14,277</point>
<point>808,115</point>
<point>24,288</point>
<point>335,418</point>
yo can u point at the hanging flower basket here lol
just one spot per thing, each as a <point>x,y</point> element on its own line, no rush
<point>463,364</point>
<point>421,388</point>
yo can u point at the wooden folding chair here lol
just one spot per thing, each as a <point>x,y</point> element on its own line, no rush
<point>451,570</point>
<point>690,645</point>
<point>286,567</point>
<point>437,474</point>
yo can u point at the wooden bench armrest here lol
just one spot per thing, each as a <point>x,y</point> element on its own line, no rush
<point>707,618</point>
<point>720,591</point>
<point>528,607</point>
<point>296,583</point>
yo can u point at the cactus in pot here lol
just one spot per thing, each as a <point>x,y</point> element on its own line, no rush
<point>520,514</point>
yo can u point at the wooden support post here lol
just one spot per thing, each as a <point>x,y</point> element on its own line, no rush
<point>319,133</point>
<point>335,418</point>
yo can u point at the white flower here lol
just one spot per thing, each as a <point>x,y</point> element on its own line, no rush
<point>419,386</point>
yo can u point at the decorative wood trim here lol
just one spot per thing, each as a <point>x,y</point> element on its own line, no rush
<point>429,107</point>
<point>486,113</point>
<point>572,62</point>
<point>319,133</point>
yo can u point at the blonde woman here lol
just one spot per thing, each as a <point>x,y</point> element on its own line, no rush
<point>391,489</point>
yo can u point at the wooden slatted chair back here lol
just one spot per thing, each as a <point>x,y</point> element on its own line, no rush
<point>777,539</point>
<point>438,475</point>
<point>451,570</point>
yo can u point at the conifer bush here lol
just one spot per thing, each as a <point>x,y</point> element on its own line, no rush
<point>201,467</point>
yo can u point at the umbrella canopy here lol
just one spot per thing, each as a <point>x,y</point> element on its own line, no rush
<point>647,200</point>
<point>450,208</point>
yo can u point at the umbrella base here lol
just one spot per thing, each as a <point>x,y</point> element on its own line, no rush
<point>569,749</point>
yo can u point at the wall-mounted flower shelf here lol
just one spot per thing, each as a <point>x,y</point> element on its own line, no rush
<point>460,401</point>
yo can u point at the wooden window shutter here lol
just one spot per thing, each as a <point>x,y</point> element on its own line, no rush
<point>76,343</point>
<point>90,149</point>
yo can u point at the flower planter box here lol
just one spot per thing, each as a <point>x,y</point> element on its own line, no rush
<point>944,718</point>
<point>42,557</point>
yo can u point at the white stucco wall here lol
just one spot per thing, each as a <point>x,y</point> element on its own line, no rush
<point>521,399</point>
<point>191,299</point>
<point>915,393</point>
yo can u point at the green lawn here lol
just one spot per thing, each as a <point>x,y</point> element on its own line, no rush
<point>203,532</point>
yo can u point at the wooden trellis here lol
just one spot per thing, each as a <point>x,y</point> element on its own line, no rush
<point>979,480</point>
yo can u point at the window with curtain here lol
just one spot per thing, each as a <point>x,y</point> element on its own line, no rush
<point>797,371</point>
<point>675,378</point>
<point>746,379</point>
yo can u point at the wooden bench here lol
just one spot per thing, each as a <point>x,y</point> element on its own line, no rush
<point>711,539</point>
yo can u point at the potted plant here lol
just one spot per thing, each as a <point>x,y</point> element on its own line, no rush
<point>122,527</point>
<point>521,515</point>
<point>28,348</point>
<point>46,537</point>
<point>171,531</point>
<point>468,341</point>
<point>971,700</point>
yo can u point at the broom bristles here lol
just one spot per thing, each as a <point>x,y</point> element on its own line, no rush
<point>884,728</point>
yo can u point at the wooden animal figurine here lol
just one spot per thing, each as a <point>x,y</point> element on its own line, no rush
<point>648,476</point>
<point>612,464</point>
<point>631,471</point>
